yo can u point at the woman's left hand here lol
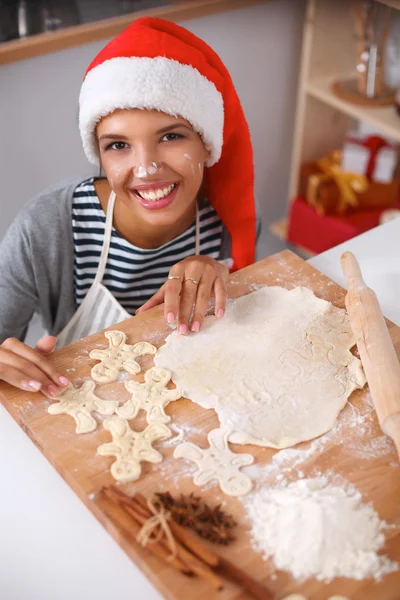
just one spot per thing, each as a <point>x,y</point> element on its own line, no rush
<point>187,291</point>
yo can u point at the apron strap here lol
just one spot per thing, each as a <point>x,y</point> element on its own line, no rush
<point>197,246</point>
<point>106,241</point>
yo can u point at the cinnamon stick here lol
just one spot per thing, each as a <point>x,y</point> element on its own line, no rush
<point>191,551</point>
<point>216,562</point>
<point>192,561</point>
<point>189,562</point>
<point>132,531</point>
<point>187,539</point>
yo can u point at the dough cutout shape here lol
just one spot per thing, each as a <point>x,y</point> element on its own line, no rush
<point>151,396</point>
<point>218,462</point>
<point>131,448</point>
<point>79,403</point>
<point>277,368</point>
<point>118,357</point>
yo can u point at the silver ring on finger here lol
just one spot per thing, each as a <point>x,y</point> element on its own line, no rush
<point>175,277</point>
<point>191,279</point>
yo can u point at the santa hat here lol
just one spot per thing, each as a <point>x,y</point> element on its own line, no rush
<point>157,65</point>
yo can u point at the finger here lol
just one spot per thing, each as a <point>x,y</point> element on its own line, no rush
<point>220,297</point>
<point>204,292</point>
<point>187,302</point>
<point>19,379</point>
<point>24,374</point>
<point>173,290</point>
<point>155,300</point>
<point>46,344</point>
<point>42,364</point>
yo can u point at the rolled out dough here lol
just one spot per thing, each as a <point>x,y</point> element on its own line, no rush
<point>277,368</point>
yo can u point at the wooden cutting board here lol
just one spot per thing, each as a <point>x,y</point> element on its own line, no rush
<point>356,449</point>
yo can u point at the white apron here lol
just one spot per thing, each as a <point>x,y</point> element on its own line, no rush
<point>99,309</point>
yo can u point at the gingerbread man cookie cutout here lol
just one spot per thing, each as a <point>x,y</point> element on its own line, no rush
<point>218,462</point>
<point>118,357</point>
<point>151,396</point>
<point>79,403</point>
<point>130,448</point>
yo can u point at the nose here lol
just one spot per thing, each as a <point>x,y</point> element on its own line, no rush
<point>146,162</point>
<point>143,170</point>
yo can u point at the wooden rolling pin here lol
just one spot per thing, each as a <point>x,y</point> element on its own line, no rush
<point>378,356</point>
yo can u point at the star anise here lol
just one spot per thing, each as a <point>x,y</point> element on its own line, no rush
<point>191,511</point>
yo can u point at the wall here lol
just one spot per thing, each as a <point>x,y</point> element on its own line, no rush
<point>40,144</point>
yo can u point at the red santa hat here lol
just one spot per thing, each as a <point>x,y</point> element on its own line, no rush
<point>157,65</point>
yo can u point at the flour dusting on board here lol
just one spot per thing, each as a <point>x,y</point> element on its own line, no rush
<point>316,528</point>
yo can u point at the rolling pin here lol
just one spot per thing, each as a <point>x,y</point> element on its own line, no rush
<point>377,353</point>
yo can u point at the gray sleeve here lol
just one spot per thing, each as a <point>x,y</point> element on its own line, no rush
<point>18,294</point>
<point>36,265</point>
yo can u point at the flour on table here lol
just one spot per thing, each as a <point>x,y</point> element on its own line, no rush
<point>311,528</point>
<point>277,368</point>
<point>79,403</point>
<point>119,356</point>
<point>218,462</point>
<point>130,447</point>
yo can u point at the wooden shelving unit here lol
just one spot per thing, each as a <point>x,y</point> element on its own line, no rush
<point>77,35</point>
<point>322,119</point>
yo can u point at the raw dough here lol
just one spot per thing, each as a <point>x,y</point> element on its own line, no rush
<point>151,396</point>
<point>218,462</point>
<point>277,368</point>
<point>118,357</point>
<point>79,403</point>
<point>131,447</point>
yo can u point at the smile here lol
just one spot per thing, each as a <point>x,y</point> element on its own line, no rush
<point>155,193</point>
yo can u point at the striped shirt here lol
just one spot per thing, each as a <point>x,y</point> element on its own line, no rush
<point>132,274</point>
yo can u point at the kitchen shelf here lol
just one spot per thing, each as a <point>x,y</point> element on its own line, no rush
<point>77,35</point>
<point>329,54</point>
<point>382,117</point>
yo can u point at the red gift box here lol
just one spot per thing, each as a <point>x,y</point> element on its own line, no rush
<point>318,233</point>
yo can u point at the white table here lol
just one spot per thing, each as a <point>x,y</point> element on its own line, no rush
<point>50,544</point>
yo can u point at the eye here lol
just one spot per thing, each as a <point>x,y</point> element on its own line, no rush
<point>116,146</point>
<point>170,137</point>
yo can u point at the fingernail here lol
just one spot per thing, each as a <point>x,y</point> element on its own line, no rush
<point>35,385</point>
<point>183,329</point>
<point>170,317</point>
<point>63,380</point>
<point>195,326</point>
<point>52,390</point>
<point>221,313</point>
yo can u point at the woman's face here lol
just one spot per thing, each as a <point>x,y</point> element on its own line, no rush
<point>153,161</point>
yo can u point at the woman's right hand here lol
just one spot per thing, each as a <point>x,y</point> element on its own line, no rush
<point>28,368</point>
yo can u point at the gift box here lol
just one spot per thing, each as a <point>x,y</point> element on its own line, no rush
<point>317,233</point>
<point>370,155</point>
<point>334,190</point>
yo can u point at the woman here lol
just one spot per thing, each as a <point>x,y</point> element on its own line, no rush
<point>160,115</point>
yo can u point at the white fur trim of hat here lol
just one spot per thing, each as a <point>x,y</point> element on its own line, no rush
<point>157,83</point>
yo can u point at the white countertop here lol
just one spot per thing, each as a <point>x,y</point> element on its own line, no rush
<point>51,546</point>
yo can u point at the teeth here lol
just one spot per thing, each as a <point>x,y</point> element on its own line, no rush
<point>156,194</point>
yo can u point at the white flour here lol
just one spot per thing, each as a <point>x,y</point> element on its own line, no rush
<point>314,529</point>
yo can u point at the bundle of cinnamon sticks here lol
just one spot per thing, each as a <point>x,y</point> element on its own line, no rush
<point>185,552</point>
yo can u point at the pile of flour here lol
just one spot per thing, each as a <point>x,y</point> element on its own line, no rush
<point>315,529</point>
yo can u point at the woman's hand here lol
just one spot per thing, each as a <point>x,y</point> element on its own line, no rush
<point>28,368</point>
<point>187,291</point>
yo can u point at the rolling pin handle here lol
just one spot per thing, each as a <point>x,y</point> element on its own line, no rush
<point>352,272</point>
